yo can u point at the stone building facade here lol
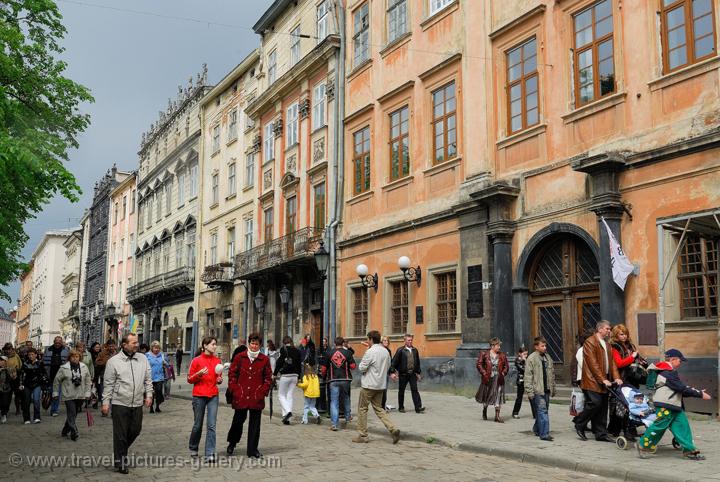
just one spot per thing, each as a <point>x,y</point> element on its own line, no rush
<point>24,305</point>
<point>168,186</point>
<point>70,279</point>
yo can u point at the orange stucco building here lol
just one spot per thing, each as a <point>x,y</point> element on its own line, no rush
<point>564,113</point>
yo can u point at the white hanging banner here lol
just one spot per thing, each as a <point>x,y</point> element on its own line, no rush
<point>621,265</point>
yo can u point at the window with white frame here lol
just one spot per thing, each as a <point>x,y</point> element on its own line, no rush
<point>121,255</point>
<point>361,34</point>
<point>268,143</point>
<point>318,109</point>
<point>213,248</point>
<point>272,67</point>
<point>233,125</point>
<point>437,5</point>
<point>191,247</point>
<point>215,189</point>
<point>193,181</point>
<point>131,246</point>
<point>168,196</point>
<point>292,125</point>
<point>323,18</point>
<point>179,246</point>
<point>295,46</point>
<point>248,233</point>
<point>250,170</point>
<point>181,188</point>
<point>230,244</point>
<point>216,138</point>
<point>158,204</point>
<point>132,201</point>
<point>124,207</point>
<point>231,179</point>
<point>396,19</point>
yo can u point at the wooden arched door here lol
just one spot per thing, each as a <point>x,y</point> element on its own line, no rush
<point>564,297</point>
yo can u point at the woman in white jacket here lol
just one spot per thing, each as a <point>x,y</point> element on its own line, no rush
<point>73,378</point>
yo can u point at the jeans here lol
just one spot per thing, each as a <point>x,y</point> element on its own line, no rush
<point>199,404</point>
<point>33,395</point>
<point>542,419</point>
<point>286,389</point>
<point>55,404</point>
<point>337,390</point>
<point>310,407</point>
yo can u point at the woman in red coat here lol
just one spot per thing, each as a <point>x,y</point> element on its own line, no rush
<point>493,367</point>
<point>249,383</point>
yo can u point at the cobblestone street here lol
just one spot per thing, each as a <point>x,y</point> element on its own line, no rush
<point>302,452</point>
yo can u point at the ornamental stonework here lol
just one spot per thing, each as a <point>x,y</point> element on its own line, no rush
<point>267,179</point>
<point>319,150</point>
<point>291,164</point>
<point>278,128</point>
<point>304,108</point>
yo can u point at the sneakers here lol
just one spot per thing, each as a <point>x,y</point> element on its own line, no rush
<point>54,414</point>
<point>395,435</point>
<point>193,453</point>
<point>3,419</point>
<point>515,415</point>
<point>304,422</point>
<point>643,453</point>
<point>37,420</point>
<point>333,428</point>
<point>27,422</point>
<point>362,440</point>
<point>693,455</point>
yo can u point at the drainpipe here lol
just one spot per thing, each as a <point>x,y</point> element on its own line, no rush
<point>330,288</point>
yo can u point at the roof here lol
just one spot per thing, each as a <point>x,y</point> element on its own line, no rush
<point>271,14</point>
<point>58,233</point>
<point>234,75</point>
<point>4,316</point>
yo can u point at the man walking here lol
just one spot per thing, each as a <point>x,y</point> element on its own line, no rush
<point>127,378</point>
<point>336,369</point>
<point>540,386</point>
<point>374,368</point>
<point>668,400</point>
<point>178,359</point>
<point>55,356</point>
<point>597,369</point>
<point>406,363</point>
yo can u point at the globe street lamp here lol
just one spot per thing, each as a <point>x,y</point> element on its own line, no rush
<point>410,273</point>
<point>368,281</point>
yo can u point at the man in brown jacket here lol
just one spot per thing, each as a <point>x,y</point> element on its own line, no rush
<point>598,368</point>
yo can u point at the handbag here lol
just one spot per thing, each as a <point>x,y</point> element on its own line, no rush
<point>46,399</point>
<point>90,419</point>
<point>577,402</point>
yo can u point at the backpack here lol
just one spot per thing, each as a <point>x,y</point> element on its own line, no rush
<point>651,379</point>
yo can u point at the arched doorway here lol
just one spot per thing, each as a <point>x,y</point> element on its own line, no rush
<point>564,296</point>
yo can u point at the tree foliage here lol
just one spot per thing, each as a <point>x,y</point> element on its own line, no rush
<point>39,122</point>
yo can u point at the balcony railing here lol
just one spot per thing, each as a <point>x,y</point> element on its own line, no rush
<point>291,248</point>
<point>181,278</point>
<point>218,275</point>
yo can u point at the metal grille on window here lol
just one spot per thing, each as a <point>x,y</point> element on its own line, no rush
<point>549,272</point>
<point>551,327</point>
<point>399,307</point>
<point>446,301</point>
<point>590,316</point>
<point>360,311</point>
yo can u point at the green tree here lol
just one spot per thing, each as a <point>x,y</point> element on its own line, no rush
<point>39,122</point>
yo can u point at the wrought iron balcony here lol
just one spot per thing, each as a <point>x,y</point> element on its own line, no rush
<point>218,275</point>
<point>296,248</point>
<point>177,281</point>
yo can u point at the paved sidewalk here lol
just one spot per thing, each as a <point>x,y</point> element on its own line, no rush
<point>456,421</point>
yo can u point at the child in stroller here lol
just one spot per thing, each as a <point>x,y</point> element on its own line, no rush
<point>640,410</point>
<point>626,401</point>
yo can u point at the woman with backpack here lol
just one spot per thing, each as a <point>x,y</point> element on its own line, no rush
<point>287,370</point>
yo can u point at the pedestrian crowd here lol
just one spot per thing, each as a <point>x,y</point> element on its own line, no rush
<point>607,374</point>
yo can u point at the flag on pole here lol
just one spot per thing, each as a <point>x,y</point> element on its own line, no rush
<point>133,324</point>
<point>621,265</point>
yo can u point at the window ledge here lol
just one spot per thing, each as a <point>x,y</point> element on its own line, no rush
<point>533,131</point>
<point>364,65</point>
<point>691,325</point>
<point>230,196</point>
<point>180,206</point>
<point>443,335</point>
<point>440,14</point>
<point>268,162</point>
<point>355,339</point>
<point>683,74</point>
<point>594,107</point>
<point>231,141</point>
<point>292,146</point>
<point>215,153</point>
<point>398,183</point>
<point>395,44</point>
<point>319,128</point>
<point>213,206</point>
<point>319,166</point>
<point>248,188</point>
<point>360,197</point>
<point>443,166</point>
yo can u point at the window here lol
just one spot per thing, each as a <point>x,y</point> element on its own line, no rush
<point>233,126</point>
<point>193,181</point>
<point>446,301</point>
<point>269,221</point>
<point>399,144</point>
<point>231,179</point>
<point>149,208</point>
<point>213,248</point>
<point>140,220</point>
<point>168,196</point>
<point>124,208</point>
<point>594,65</point>
<point>272,66</point>
<point>399,307</point>
<point>698,277</point>
<point>191,247</point>
<point>444,123</point>
<point>158,205</point>
<point>319,205</point>
<point>215,189</point>
<point>292,125</point>
<point>122,255</point>
<point>685,42</point>
<point>318,110</point>
<point>248,234</point>
<point>115,218</point>
<point>360,311</point>
<point>361,36</point>
<point>250,170</point>
<point>291,215</point>
<point>113,254</point>
<point>396,18</point>
<point>181,189</point>
<point>361,160</point>
<point>216,139</point>
<point>132,201</point>
<point>179,245</point>
<point>437,5</point>
<point>166,255</point>
<point>322,21</point>
<point>269,143</point>
<point>522,86</point>
<point>230,244</point>
<point>295,46</point>
<point>131,246</point>
<point>156,254</point>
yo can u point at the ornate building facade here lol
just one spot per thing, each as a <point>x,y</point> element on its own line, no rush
<point>70,305</point>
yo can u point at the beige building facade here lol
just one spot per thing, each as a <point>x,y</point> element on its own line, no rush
<point>70,306</point>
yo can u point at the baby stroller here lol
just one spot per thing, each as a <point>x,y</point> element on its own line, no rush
<point>623,395</point>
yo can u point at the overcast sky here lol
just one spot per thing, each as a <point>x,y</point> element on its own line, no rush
<point>132,55</point>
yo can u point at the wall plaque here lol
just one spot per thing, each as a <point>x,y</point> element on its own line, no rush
<point>475,291</point>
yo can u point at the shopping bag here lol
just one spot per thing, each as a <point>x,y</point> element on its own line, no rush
<point>577,402</point>
<point>90,419</point>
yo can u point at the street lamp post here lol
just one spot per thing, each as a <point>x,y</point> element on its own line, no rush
<point>322,259</point>
<point>260,308</point>
<point>284,299</point>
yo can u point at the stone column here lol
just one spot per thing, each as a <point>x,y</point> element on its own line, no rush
<point>503,325</point>
<point>612,298</point>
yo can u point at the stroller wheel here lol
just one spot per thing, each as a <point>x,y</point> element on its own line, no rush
<point>653,450</point>
<point>621,442</point>
<point>675,444</point>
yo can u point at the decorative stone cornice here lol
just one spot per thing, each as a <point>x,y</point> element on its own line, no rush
<point>304,108</point>
<point>278,127</point>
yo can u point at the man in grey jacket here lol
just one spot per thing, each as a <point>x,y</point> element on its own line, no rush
<point>128,384</point>
<point>374,368</point>
<point>540,386</point>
